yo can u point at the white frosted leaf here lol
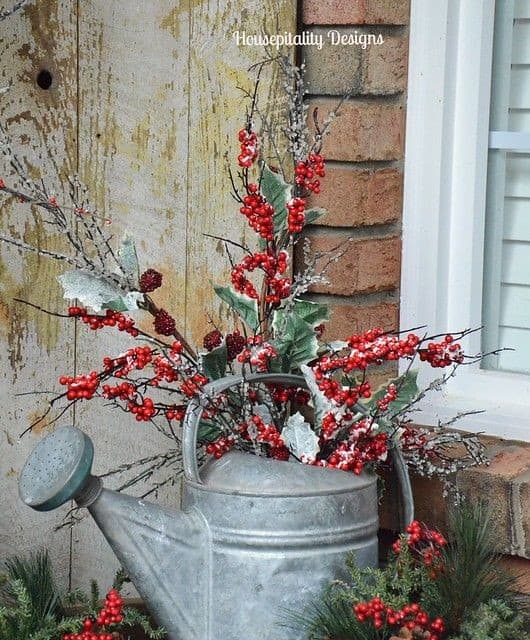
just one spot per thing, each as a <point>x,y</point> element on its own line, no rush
<point>128,258</point>
<point>321,404</point>
<point>93,292</point>
<point>300,438</point>
<point>263,411</point>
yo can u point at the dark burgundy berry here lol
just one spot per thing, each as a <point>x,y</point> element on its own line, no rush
<point>234,345</point>
<point>212,340</point>
<point>150,280</point>
<point>164,323</point>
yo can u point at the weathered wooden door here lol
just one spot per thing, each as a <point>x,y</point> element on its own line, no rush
<point>141,99</point>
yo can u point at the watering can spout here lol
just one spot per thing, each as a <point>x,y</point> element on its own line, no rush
<point>143,535</point>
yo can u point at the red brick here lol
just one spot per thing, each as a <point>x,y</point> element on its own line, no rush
<point>355,198</point>
<point>506,483</point>
<point>334,69</point>
<point>384,67</point>
<point>362,131</point>
<point>346,319</point>
<point>356,11</point>
<point>520,568</point>
<point>367,265</point>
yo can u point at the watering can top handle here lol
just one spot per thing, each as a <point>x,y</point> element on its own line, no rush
<point>197,405</point>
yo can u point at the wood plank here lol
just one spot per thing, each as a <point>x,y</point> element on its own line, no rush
<point>218,66</point>
<point>35,347</point>
<point>133,109</point>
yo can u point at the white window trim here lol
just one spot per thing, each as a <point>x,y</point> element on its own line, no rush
<point>444,204</point>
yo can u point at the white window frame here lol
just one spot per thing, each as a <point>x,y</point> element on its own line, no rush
<point>451,44</point>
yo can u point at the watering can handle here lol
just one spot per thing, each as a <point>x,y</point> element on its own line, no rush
<point>198,404</point>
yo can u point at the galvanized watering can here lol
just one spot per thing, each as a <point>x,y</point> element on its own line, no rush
<point>255,537</point>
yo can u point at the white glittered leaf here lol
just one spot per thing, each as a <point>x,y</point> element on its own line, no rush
<point>300,438</point>
<point>93,292</point>
<point>128,258</point>
<point>338,345</point>
<point>263,411</point>
<point>320,403</point>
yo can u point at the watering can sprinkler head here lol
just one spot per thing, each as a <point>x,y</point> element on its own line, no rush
<point>58,470</point>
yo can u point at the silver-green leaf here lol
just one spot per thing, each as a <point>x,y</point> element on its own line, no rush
<point>96,293</point>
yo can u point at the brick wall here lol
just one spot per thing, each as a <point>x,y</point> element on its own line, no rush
<point>364,154</point>
<point>363,194</point>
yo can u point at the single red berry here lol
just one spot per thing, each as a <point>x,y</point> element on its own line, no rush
<point>212,340</point>
<point>164,323</point>
<point>150,280</point>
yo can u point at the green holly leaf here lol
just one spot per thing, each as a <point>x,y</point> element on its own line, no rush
<point>213,363</point>
<point>208,431</point>
<point>297,344</point>
<point>277,192</point>
<point>246,308</point>
<point>313,313</point>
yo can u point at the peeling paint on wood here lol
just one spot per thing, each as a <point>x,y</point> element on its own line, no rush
<point>36,349</point>
<point>145,103</point>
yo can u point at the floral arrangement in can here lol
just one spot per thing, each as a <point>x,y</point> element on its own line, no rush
<point>338,419</point>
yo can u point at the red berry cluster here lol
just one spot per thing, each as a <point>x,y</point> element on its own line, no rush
<point>425,542</point>
<point>411,617</point>
<point>257,353</point>
<point>274,266</point>
<point>82,387</point>
<point>143,410</point>
<point>389,397</point>
<point>279,453</point>
<point>111,613</point>
<point>249,148</point>
<point>175,413</point>
<point>193,385</point>
<point>296,215</point>
<point>164,324</point>
<point>281,394</point>
<point>136,358</point>
<point>150,280</point>
<point>305,172</point>
<point>258,212</point>
<point>360,450</point>
<point>212,340</point>
<point>443,353</point>
<point>110,319</point>
<point>123,391</point>
<point>267,433</point>
<point>164,371</point>
<point>220,446</point>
